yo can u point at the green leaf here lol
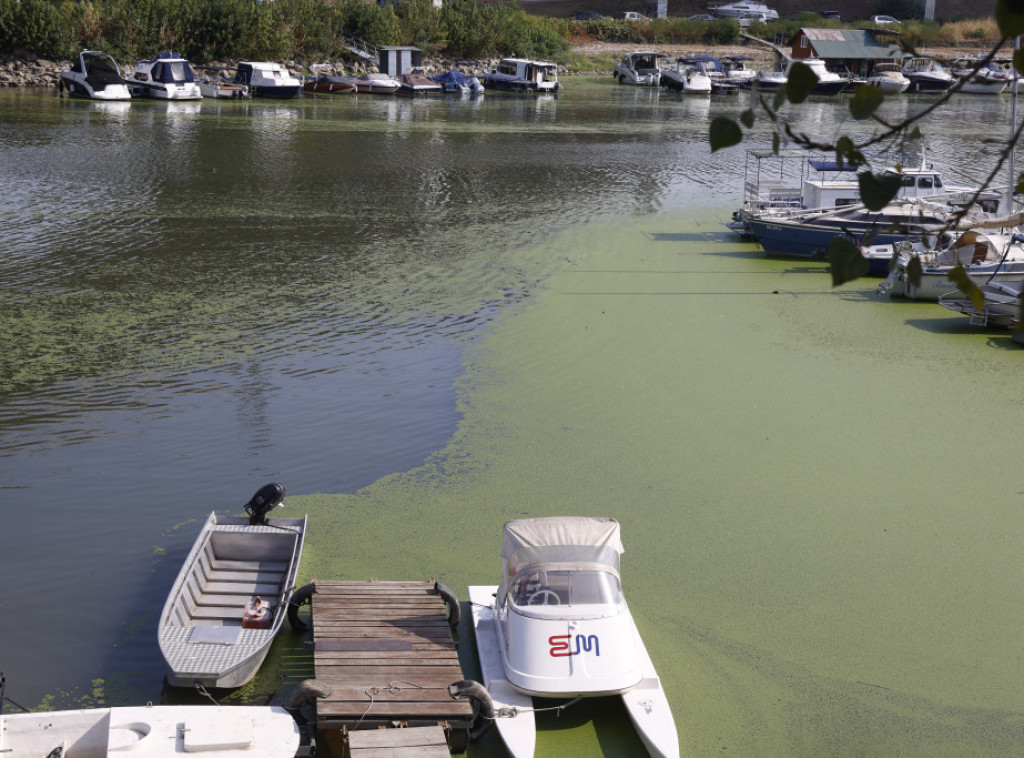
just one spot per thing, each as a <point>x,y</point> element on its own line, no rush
<point>965,284</point>
<point>1018,188</point>
<point>776,141</point>
<point>846,261</point>
<point>724,132</point>
<point>877,190</point>
<point>847,154</point>
<point>800,82</point>
<point>916,132</point>
<point>1010,17</point>
<point>780,98</point>
<point>914,271</point>
<point>865,101</point>
<point>747,118</point>
<point>1018,59</point>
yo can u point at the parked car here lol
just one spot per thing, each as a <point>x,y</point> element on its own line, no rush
<point>832,15</point>
<point>885,21</point>
<point>702,17</point>
<point>634,16</point>
<point>747,18</point>
<point>587,16</point>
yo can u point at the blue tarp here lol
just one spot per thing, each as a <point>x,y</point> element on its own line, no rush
<point>452,77</point>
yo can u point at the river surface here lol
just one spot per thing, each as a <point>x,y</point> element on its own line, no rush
<point>426,317</point>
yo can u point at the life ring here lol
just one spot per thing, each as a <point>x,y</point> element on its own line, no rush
<point>301,596</point>
<point>483,707</point>
<point>454,612</point>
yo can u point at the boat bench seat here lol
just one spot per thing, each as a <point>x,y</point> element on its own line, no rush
<point>229,585</point>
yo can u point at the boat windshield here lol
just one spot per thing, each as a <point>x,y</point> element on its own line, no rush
<point>563,575</point>
<point>566,587</point>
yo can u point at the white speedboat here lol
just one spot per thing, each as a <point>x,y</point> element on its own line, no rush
<point>742,7</point>
<point>168,76</point>
<point>889,78</point>
<point>829,83</point>
<point>94,75</point>
<point>231,596</point>
<point>926,75</point>
<point>217,88</point>
<point>154,731</point>
<point>523,75</point>
<point>558,627</point>
<point>986,80</point>
<point>268,80</point>
<point>639,68</point>
<point>687,75</point>
<point>985,257</point>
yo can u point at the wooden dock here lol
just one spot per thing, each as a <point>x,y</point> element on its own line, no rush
<point>387,653</point>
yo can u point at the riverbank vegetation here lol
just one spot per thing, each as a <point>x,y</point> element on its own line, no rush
<point>207,30</point>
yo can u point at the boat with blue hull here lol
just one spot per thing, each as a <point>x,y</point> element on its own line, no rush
<point>795,202</point>
<point>807,234</point>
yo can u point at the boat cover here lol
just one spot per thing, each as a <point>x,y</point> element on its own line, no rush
<point>560,530</point>
<point>452,77</point>
<point>558,542</point>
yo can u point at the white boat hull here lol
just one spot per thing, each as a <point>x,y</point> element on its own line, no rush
<point>650,713</point>
<point>222,731</point>
<point>646,702</point>
<point>518,732</point>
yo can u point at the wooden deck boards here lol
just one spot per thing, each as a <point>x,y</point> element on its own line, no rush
<point>418,742</point>
<point>386,651</point>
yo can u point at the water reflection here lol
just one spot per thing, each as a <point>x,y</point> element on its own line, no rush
<point>202,296</point>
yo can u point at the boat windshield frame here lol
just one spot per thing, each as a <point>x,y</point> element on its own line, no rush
<point>534,559</point>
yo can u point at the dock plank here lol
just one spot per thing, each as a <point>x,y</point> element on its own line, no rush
<point>387,653</point>
<point>413,742</point>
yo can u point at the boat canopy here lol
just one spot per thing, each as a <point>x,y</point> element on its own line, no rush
<point>561,542</point>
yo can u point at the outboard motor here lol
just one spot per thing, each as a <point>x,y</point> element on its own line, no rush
<point>267,497</point>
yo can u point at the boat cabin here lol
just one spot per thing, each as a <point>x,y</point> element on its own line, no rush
<point>168,76</point>
<point>524,75</point>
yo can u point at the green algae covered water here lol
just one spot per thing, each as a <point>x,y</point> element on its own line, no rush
<point>429,317</point>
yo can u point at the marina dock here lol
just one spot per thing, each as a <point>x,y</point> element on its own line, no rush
<point>388,654</point>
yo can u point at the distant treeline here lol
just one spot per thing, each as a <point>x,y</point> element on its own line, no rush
<point>210,30</point>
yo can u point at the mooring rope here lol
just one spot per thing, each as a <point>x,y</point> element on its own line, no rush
<point>202,691</point>
<point>391,688</point>
<point>512,711</point>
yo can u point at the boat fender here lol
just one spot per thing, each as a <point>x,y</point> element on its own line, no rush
<point>306,691</point>
<point>483,708</point>
<point>257,614</point>
<point>301,596</point>
<point>454,612</point>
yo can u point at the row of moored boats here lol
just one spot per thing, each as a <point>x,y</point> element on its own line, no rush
<point>556,626</point>
<point>95,75</point>
<point>704,74</point>
<point>922,243</point>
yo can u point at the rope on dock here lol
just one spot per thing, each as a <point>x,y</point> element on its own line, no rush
<point>391,688</point>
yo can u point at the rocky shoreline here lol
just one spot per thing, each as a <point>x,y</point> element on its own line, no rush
<point>29,70</point>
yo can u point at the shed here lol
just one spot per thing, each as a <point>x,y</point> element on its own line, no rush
<point>853,49</point>
<point>396,60</point>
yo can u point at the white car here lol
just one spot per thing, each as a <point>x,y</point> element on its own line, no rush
<point>634,16</point>
<point>885,21</point>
